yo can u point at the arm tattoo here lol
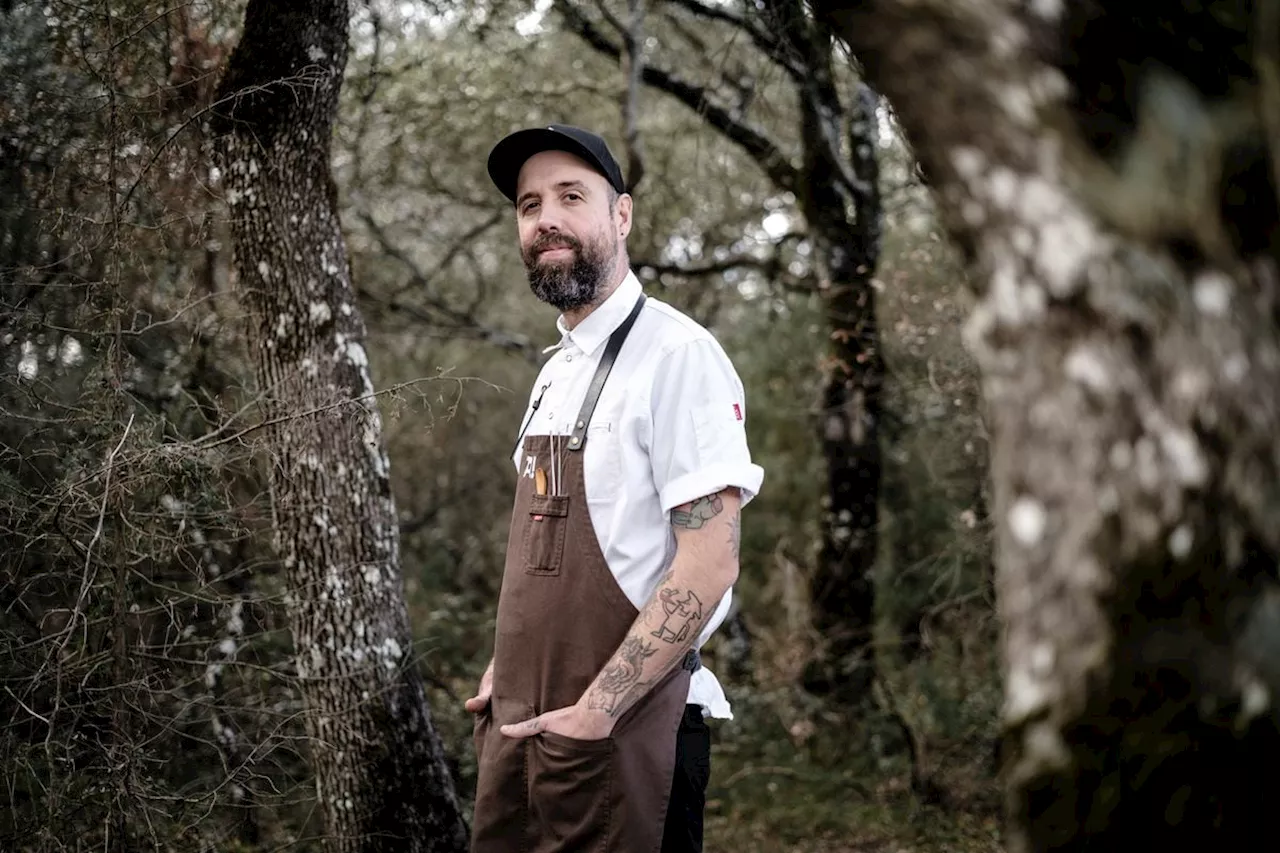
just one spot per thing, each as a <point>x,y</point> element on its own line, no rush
<point>621,678</point>
<point>677,612</point>
<point>682,615</point>
<point>699,512</point>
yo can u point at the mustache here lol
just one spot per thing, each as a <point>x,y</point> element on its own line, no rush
<point>554,241</point>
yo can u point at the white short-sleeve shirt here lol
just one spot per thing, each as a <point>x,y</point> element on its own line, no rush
<point>669,427</point>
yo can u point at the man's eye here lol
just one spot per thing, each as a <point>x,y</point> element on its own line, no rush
<point>528,207</point>
<point>573,197</point>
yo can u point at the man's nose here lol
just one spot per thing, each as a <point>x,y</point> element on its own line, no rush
<point>548,219</point>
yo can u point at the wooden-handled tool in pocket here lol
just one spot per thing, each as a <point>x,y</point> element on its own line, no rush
<point>539,486</point>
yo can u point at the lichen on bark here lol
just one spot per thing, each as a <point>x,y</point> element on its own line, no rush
<point>381,778</point>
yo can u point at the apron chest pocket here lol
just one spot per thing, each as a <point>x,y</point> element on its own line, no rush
<point>544,534</point>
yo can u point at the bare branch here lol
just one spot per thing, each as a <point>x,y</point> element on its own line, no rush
<point>633,69</point>
<point>308,77</point>
<point>819,96</point>
<point>768,43</point>
<point>865,172</point>
<point>462,330</point>
<point>610,18</point>
<point>423,280</point>
<point>772,268</point>
<point>203,444</point>
<point>462,323</point>
<point>763,150</point>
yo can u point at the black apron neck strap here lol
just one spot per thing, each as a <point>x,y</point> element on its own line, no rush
<point>578,438</point>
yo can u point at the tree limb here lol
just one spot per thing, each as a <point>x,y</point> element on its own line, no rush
<point>868,204</point>
<point>610,18</point>
<point>633,69</point>
<point>818,93</point>
<point>464,330</point>
<point>771,268</point>
<point>764,151</point>
<point>420,280</point>
<point>456,248</point>
<point>768,43</point>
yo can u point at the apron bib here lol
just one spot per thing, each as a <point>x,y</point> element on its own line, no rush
<point>561,616</point>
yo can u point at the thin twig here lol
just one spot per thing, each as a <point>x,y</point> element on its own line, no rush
<point>136,32</point>
<point>200,442</point>
<point>302,75</point>
<point>106,493</point>
<point>26,708</point>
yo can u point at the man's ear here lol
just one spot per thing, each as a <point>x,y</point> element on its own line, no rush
<point>624,215</point>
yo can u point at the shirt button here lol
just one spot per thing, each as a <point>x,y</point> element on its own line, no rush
<point>568,358</point>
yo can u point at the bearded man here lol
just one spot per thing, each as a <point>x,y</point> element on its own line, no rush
<point>631,469</point>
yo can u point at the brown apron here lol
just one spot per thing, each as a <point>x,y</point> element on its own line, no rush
<point>561,616</point>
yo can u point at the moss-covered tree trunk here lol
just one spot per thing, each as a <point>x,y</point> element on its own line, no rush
<point>1106,168</point>
<point>381,777</point>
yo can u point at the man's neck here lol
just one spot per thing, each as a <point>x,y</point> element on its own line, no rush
<point>574,316</point>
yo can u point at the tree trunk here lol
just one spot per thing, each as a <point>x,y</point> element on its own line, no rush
<point>1119,218</point>
<point>381,776</point>
<point>844,215</point>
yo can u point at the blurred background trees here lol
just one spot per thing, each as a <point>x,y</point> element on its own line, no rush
<point>150,697</point>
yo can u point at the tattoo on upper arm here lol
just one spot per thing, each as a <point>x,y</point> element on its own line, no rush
<point>735,534</point>
<point>621,678</point>
<point>699,512</point>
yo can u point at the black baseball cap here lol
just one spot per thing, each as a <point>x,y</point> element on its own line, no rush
<point>510,154</point>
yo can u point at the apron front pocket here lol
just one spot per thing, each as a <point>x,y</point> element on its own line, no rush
<point>570,782</point>
<point>480,729</point>
<point>544,534</point>
<point>501,801</point>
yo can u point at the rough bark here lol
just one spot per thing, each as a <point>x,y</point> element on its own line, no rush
<point>381,777</point>
<point>1119,217</point>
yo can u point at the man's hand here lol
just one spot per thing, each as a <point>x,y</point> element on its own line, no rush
<point>477,703</point>
<point>576,721</point>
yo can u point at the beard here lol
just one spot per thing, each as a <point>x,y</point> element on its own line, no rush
<point>573,283</point>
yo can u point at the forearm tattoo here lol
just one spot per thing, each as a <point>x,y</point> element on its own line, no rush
<point>683,613</point>
<point>620,677</point>
<point>678,614</point>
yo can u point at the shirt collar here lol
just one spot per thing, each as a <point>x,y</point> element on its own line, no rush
<point>592,332</point>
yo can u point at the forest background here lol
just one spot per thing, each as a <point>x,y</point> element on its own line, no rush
<point>151,597</point>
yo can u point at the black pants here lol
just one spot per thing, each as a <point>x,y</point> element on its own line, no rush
<point>683,832</point>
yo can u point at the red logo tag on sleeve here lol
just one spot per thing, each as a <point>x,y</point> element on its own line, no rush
<point>737,411</point>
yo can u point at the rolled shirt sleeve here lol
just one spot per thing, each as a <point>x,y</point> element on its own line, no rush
<point>698,442</point>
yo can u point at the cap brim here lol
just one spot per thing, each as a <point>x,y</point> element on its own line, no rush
<point>511,152</point>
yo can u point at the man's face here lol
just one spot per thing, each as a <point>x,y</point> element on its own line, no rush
<point>570,234</point>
